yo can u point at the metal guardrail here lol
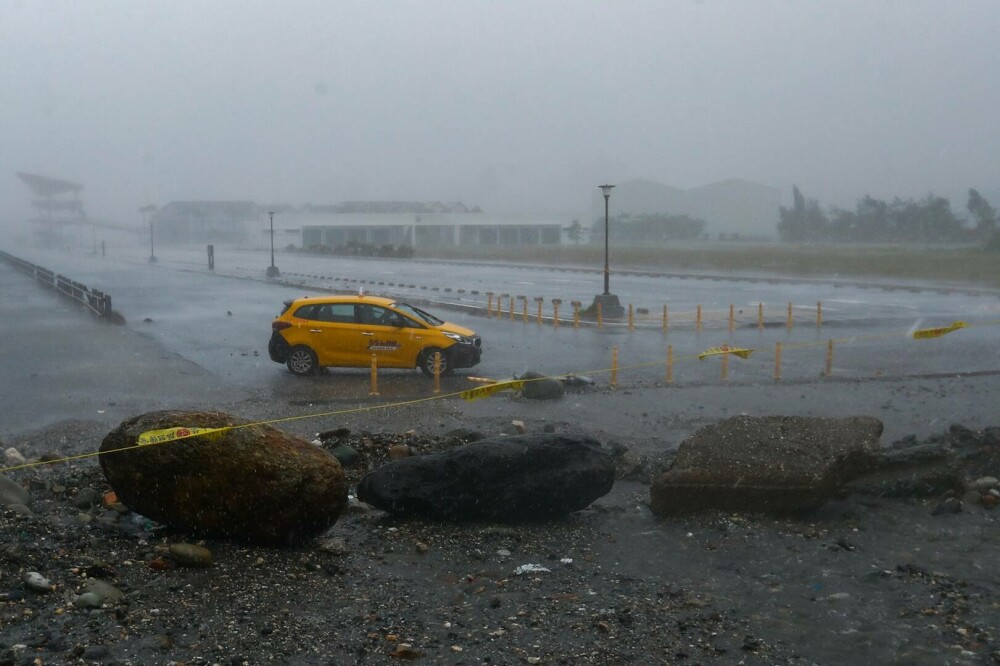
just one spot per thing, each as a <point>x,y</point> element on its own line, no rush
<point>94,300</point>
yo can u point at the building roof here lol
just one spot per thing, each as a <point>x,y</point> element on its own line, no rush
<point>44,186</point>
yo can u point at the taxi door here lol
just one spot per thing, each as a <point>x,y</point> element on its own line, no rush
<point>330,334</point>
<point>389,335</point>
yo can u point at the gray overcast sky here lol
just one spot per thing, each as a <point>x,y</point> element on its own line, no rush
<point>516,105</point>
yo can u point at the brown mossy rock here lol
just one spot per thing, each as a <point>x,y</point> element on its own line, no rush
<point>253,484</point>
<point>775,464</point>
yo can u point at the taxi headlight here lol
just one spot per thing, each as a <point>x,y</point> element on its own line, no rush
<point>460,339</point>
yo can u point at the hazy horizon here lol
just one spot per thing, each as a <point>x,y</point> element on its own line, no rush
<point>514,106</point>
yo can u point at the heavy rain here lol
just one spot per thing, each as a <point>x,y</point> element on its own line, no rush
<point>709,374</point>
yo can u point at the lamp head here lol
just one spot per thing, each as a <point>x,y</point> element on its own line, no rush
<point>606,189</point>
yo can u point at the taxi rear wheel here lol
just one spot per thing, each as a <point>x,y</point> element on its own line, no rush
<point>426,361</point>
<point>302,361</point>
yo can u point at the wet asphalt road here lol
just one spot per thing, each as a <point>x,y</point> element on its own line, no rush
<point>192,334</point>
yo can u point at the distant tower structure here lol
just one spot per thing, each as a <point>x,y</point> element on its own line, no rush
<point>56,204</point>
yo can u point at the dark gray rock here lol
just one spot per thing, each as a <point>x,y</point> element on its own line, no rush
<point>346,455</point>
<point>252,483</point>
<point>86,498</point>
<point>925,470</point>
<point>12,492</point>
<point>772,463</point>
<point>504,479</point>
<point>540,387</point>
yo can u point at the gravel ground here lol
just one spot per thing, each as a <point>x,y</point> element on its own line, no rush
<point>887,580</point>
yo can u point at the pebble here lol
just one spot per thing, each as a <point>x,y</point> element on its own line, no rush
<point>518,426</point>
<point>86,498</point>
<point>985,483</point>
<point>406,651</point>
<point>36,582</point>
<point>13,457</point>
<point>422,548</point>
<point>334,546</point>
<point>157,642</point>
<point>21,509</point>
<point>345,454</point>
<point>89,600</point>
<point>190,555</point>
<point>12,492</point>
<point>397,451</point>
<point>104,589</point>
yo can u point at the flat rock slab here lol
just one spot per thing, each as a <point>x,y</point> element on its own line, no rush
<point>507,479</point>
<point>772,463</point>
<point>252,483</point>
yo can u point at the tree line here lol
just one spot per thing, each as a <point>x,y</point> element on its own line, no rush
<point>927,220</point>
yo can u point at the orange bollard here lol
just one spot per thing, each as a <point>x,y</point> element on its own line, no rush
<point>538,317</point>
<point>760,315</point>
<point>732,321</point>
<point>500,304</point>
<point>555,312</point>
<point>789,316</point>
<point>614,367</point>
<point>512,308</point>
<point>373,390</point>
<point>777,361</point>
<point>829,359</point>
<point>576,313</point>
<point>665,320</point>
<point>437,372</point>
<point>524,313</point>
<point>631,321</point>
<point>489,304</point>
<point>697,320</point>
<point>670,364</point>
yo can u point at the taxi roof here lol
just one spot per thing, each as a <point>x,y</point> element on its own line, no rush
<point>346,298</point>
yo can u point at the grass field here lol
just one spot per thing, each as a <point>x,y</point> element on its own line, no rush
<point>967,265</point>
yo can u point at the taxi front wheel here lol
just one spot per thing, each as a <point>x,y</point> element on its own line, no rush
<point>426,361</point>
<point>302,361</point>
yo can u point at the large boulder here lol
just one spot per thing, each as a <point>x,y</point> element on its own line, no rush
<point>771,463</point>
<point>505,479</point>
<point>252,483</point>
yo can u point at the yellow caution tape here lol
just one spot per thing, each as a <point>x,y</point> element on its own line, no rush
<point>490,389</point>
<point>173,434</point>
<point>725,349</point>
<point>925,333</point>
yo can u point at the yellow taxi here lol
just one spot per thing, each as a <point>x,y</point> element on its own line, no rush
<point>345,331</point>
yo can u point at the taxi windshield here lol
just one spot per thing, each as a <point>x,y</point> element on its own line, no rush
<point>417,313</point>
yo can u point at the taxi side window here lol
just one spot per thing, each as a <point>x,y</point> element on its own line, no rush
<point>342,313</point>
<point>338,313</point>
<point>374,315</point>
<point>306,312</point>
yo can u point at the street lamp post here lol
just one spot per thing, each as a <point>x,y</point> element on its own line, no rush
<point>272,270</point>
<point>610,306</point>
<point>149,209</point>
<point>606,189</point>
